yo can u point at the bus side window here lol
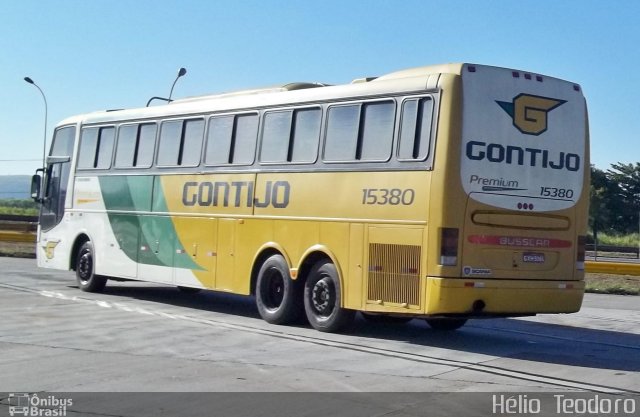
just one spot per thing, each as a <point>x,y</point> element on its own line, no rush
<point>276,135</point>
<point>146,145</point>
<point>180,142</point>
<point>415,129</point>
<point>341,141</point>
<point>219,140</point>
<point>191,146</point>
<point>291,135</point>
<point>377,131</point>
<point>126,146</point>
<point>88,146</point>
<point>245,136</point>
<point>169,145</point>
<point>306,135</point>
<point>96,148</point>
<point>135,146</point>
<point>106,140</point>
<point>232,140</point>
<point>360,132</point>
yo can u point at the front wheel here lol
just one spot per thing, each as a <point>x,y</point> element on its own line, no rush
<point>85,270</point>
<point>446,324</point>
<point>322,298</point>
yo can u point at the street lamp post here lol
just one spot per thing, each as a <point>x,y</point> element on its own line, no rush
<point>44,141</point>
<point>182,72</point>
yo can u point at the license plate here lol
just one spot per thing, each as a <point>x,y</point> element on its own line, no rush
<point>533,258</point>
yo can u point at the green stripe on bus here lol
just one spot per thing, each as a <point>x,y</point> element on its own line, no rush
<point>117,195</point>
<point>144,238</point>
<point>167,230</point>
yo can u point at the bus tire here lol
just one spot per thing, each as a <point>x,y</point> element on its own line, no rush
<point>277,295</point>
<point>322,299</point>
<point>445,324</point>
<point>85,270</point>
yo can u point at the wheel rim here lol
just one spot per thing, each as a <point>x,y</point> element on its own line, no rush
<point>273,290</point>
<point>323,297</point>
<point>85,266</point>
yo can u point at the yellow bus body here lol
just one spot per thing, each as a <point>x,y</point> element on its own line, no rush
<point>382,229</point>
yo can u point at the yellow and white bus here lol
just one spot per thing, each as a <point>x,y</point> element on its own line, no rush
<point>443,192</point>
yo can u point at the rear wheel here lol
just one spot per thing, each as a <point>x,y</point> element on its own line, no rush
<point>446,324</point>
<point>277,296</point>
<point>322,299</point>
<point>85,273</point>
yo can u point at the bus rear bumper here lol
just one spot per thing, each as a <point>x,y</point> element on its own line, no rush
<point>501,297</point>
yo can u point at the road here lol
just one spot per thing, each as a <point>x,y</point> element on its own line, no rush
<point>146,337</point>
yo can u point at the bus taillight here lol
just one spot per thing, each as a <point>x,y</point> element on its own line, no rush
<point>582,250</point>
<point>448,246</point>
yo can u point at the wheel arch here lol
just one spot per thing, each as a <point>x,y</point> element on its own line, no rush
<point>312,256</point>
<point>78,242</point>
<point>265,252</point>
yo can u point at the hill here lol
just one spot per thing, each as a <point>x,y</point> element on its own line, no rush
<point>15,186</point>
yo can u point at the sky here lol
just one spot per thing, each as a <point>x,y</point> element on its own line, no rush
<point>90,55</point>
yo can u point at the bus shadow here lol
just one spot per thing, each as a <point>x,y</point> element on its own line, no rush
<point>521,340</point>
<point>504,338</point>
<point>213,301</point>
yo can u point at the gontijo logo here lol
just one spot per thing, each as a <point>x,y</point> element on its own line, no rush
<point>529,113</point>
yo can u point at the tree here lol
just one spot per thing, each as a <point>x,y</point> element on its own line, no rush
<point>624,203</point>
<point>602,195</point>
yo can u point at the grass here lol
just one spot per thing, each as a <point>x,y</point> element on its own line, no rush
<point>18,211</point>
<point>20,207</point>
<point>632,239</point>
<point>612,284</point>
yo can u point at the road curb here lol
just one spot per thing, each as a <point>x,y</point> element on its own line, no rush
<point>8,236</point>
<point>620,268</point>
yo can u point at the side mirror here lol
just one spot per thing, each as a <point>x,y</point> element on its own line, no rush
<point>56,160</point>
<point>36,186</point>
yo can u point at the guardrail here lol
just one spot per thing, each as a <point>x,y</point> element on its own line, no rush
<point>613,249</point>
<point>612,267</point>
<point>17,228</point>
<point>27,237</point>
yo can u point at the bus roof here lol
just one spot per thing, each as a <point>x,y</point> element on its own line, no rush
<point>407,80</point>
